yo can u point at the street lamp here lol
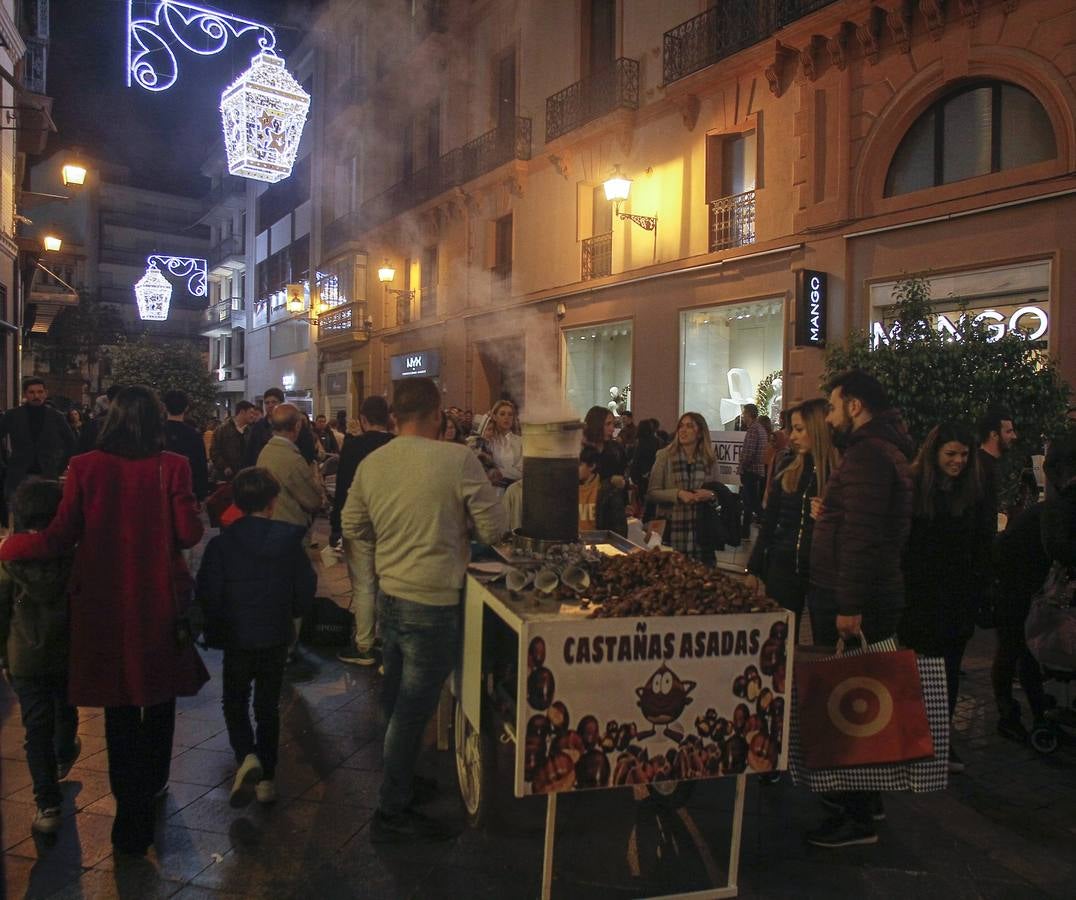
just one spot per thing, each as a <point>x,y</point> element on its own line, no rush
<point>74,174</point>
<point>52,243</point>
<point>617,187</point>
<point>386,273</point>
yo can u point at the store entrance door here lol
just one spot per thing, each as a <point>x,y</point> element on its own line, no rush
<point>497,373</point>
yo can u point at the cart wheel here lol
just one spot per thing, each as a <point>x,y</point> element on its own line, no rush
<point>475,767</point>
<point>1043,740</point>
<point>671,794</point>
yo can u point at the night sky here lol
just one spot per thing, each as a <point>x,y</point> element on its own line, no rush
<point>163,137</point>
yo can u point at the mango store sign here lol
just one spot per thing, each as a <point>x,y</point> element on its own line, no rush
<point>1030,322</point>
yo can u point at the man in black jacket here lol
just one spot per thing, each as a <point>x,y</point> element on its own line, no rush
<point>260,432</point>
<point>857,584</point>
<point>40,440</point>
<point>374,418</point>
<point>181,438</point>
<point>996,437</point>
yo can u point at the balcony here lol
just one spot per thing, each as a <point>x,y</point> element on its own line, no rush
<point>616,87</point>
<point>725,29</point>
<point>229,253</point>
<point>474,159</point>
<point>732,221</point>
<point>344,324</point>
<point>598,256</point>
<point>222,317</point>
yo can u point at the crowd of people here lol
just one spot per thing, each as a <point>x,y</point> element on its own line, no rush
<point>846,521</point>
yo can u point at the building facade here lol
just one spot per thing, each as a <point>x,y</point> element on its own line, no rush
<point>226,318</point>
<point>109,230</point>
<point>770,147</point>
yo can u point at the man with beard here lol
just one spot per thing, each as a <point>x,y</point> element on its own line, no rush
<point>996,436</point>
<point>857,585</point>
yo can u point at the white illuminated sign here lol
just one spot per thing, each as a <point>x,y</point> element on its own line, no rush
<point>288,381</point>
<point>1030,322</point>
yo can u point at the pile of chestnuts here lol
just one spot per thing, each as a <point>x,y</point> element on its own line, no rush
<point>666,583</point>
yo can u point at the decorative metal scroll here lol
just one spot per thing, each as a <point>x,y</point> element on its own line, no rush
<point>167,24</point>
<point>193,269</point>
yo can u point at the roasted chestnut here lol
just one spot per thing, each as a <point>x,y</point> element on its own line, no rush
<point>761,755</point>
<point>541,687</point>
<point>779,630</point>
<point>558,774</point>
<point>558,716</point>
<point>538,727</point>
<point>536,653</point>
<point>734,755</point>
<point>592,770</point>
<point>740,716</point>
<point>739,686</point>
<point>771,655</point>
<point>588,731</point>
<point>569,743</point>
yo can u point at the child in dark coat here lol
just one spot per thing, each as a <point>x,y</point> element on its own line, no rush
<point>34,636</point>
<point>254,579</point>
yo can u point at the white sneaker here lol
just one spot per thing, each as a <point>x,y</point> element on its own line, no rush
<point>246,777</point>
<point>47,821</point>
<point>265,791</point>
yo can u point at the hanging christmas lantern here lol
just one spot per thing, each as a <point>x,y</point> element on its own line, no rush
<point>263,113</point>
<point>153,293</point>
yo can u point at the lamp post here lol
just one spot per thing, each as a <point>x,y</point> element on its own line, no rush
<point>617,187</point>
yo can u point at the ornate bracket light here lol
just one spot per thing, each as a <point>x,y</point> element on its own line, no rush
<point>263,113</point>
<point>152,39</point>
<point>154,292</point>
<point>617,187</point>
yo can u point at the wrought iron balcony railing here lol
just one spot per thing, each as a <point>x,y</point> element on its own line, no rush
<point>598,256</point>
<point>732,221</point>
<point>616,87</point>
<point>725,29</point>
<point>347,318</point>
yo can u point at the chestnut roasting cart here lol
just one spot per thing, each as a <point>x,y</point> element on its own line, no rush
<point>598,703</point>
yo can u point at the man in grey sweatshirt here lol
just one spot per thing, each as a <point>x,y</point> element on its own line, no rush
<point>410,504</point>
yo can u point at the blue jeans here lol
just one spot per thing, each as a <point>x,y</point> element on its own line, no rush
<point>421,646</point>
<point>50,724</point>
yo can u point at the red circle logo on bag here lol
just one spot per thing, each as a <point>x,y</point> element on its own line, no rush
<point>860,707</point>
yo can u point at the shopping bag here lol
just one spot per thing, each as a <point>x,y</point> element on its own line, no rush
<point>217,502</point>
<point>919,776</point>
<point>862,709</point>
<point>327,624</point>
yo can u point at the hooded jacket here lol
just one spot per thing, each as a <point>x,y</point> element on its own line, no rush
<point>34,627</point>
<point>859,539</point>
<point>255,577</point>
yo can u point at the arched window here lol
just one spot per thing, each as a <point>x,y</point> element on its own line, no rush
<point>981,128</point>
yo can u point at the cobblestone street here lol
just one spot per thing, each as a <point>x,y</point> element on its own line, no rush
<point>1004,829</point>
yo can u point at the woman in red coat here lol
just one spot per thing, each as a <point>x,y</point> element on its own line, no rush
<point>129,509</point>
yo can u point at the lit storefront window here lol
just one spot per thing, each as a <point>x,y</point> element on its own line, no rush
<point>726,352</point>
<point>599,359</point>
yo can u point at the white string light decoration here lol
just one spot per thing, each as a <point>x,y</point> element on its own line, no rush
<point>154,295</point>
<point>263,113</point>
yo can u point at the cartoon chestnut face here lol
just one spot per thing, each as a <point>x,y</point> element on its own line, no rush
<point>664,696</point>
<point>536,654</point>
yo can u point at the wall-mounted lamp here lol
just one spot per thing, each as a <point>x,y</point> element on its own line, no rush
<point>52,243</point>
<point>561,311</point>
<point>74,174</point>
<point>617,187</point>
<point>385,274</point>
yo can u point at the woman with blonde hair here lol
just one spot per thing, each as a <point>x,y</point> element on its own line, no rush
<point>676,483</point>
<point>781,560</point>
<point>505,444</point>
